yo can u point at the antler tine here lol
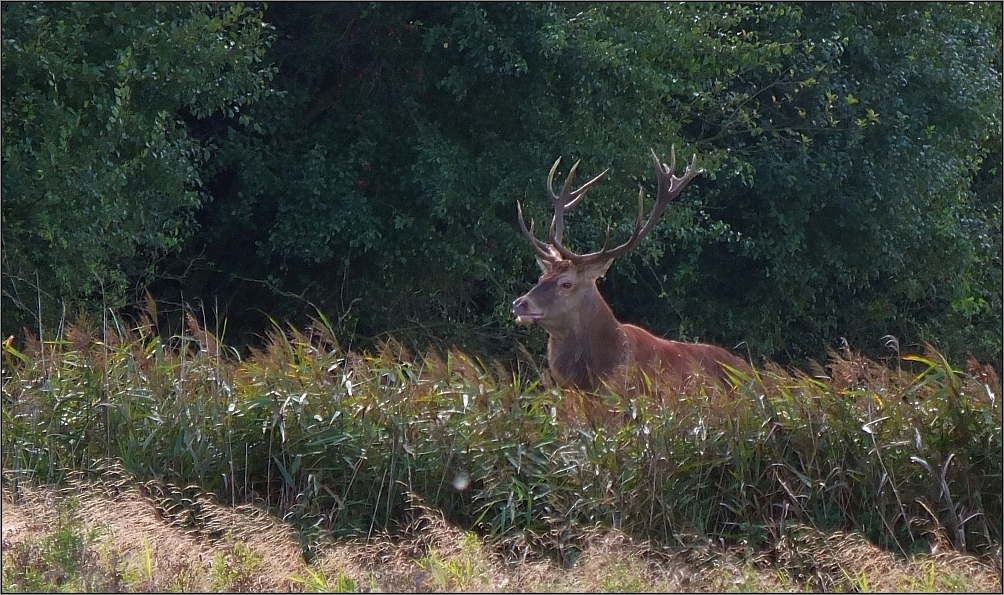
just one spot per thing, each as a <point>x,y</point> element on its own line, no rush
<point>672,159</point>
<point>568,197</point>
<point>558,201</point>
<point>543,250</point>
<point>666,174</point>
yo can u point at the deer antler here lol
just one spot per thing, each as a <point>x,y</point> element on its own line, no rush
<point>669,187</point>
<point>561,203</point>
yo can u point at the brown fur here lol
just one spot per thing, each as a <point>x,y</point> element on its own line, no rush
<point>588,347</point>
<point>673,360</point>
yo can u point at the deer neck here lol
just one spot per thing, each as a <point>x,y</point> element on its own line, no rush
<point>590,347</point>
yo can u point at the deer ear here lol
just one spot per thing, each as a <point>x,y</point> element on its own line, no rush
<point>596,270</point>
<point>545,265</point>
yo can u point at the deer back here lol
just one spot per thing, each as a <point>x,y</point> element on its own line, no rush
<point>676,361</point>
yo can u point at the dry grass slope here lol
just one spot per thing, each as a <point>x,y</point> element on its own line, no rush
<point>136,544</point>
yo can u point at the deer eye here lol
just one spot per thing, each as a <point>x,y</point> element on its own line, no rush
<point>566,285</point>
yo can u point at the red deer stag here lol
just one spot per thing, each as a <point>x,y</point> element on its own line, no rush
<point>587,345</point>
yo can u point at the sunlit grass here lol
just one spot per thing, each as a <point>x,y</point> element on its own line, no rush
<point>337,442</point>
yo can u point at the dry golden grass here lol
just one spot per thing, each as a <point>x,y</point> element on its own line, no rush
<point>146,541</point>
<point>134,533</point>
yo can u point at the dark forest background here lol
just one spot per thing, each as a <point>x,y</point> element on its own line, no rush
<point>362,162</point>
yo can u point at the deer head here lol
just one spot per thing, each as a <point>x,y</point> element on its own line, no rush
<point>565,298</point>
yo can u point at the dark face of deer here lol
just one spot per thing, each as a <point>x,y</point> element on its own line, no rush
<point>565,294</point>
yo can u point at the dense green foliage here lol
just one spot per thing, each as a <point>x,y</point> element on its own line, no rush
<point>852,151</point>
<point>874,222</point>
<point>340,442</point>
<point>100,173</point>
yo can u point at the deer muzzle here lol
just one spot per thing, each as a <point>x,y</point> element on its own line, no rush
<point>523,309</point>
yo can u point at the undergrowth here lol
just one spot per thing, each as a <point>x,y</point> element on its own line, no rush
<point>907,454</point>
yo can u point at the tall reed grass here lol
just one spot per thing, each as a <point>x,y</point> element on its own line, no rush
<point>906,454</point>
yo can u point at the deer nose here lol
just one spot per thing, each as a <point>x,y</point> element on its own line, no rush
<point>519,306</point>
